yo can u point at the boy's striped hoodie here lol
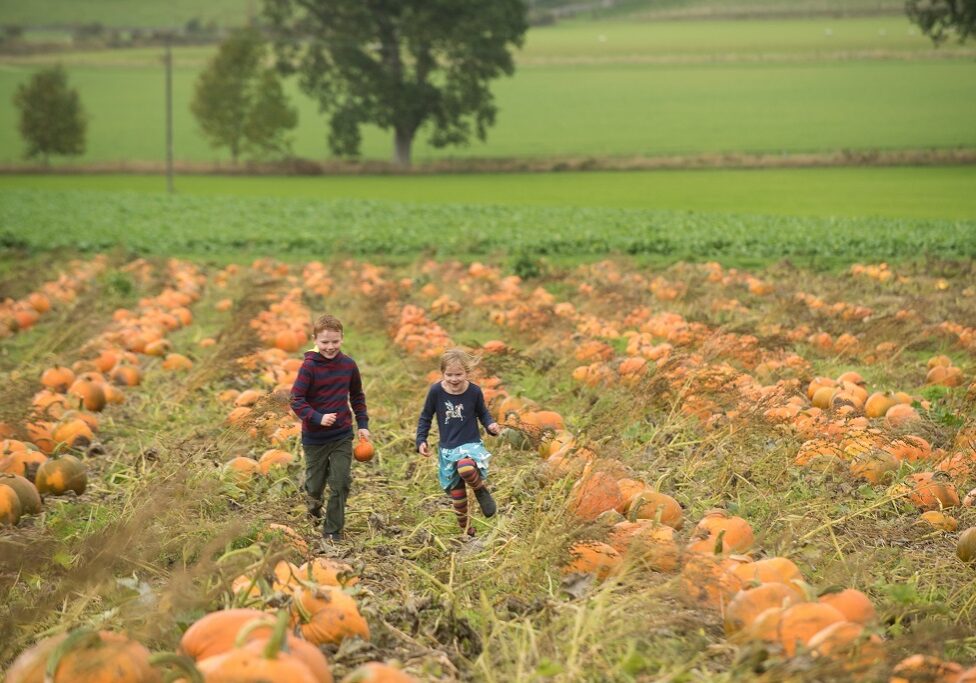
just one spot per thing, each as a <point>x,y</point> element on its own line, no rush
<point>324,386</point>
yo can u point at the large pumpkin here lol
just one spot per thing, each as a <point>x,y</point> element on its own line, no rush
<point>30,499</point>
<point>60,475</point>
<point>84,657</point>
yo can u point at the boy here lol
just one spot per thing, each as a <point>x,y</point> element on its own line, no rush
<point>327,384</point>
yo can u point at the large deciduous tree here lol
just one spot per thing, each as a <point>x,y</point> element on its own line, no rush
<point>238,101</point>
<point>399,64</point>
<point>52,120</point>
<point>939,19</point>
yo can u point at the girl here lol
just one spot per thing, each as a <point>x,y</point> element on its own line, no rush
<point>463,458</point>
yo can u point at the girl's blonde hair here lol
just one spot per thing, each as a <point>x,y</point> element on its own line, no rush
<point>461,357</point>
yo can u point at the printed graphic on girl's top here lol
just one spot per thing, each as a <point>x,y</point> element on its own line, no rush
<point>452,411</point>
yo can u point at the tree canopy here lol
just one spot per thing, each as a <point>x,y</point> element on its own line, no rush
<point>52,120</point>
<point>399,64</point>
<point>239,102</point>
<point>939,19</point>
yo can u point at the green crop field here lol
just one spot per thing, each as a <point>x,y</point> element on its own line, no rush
<point>604,89</point>
<point>251,225</point>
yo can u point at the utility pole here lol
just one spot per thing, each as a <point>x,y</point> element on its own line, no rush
<point>168,60</point>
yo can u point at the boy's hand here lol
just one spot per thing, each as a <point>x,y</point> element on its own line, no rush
<point>424,451</point>
<point>328,419</point>
<point>494,429</point>
<point>364,434</point>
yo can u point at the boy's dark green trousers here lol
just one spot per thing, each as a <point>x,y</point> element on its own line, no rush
<point>329,463</point>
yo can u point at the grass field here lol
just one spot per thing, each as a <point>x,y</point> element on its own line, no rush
<point>235,12</point>
<point>575,95</point>
<point>927,193</point>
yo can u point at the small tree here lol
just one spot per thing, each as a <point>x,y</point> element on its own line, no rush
<point>938,19</point>
<point>52,120</point>
<point>239,103</point>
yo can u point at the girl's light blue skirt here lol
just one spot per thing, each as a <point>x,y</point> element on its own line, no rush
<point>448,457</point>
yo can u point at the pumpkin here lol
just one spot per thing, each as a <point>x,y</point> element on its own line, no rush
<point>326,614</point>
<point>873,466</point>
<point>795,625</point>
<point>216,632</point>
<point>900,414</point>
<point>84,657</point>
<point>650,504</point>
<point>274,458</point>
<point>910,449</point>
<point>127,375</point>
<point>248,397</point>
<point>939,520</point>
<point>241,468</point>
<point>735,532</point>
<point>845,643</point>
<point>709,580</point>
<point>772,569</point>
<point>327,572</point>
<point>60,475</point>
<point>58,378</point>
<point>592,557</point>
<point>363,450</point>
<point>10,507</point>
<point>925,669</point>
<point>652,544</point>
<point>262,661</point>
<point>289,340</point>
<point>852,603</point>
<point>376,672</point>
<point>749,603</point>
<point>878,403</point>
<point>73,433</point>
<point>89,393</point>
<point>932,491</point>
<point>593,495</point>
<point>177,361</point>
<point>966,545</point>
<point>23,462</point>
<point>30,499</point>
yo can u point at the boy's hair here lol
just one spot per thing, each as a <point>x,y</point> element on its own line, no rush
<point>326,322</point>
<point>460,356</point>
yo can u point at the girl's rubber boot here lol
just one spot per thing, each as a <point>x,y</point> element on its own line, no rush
<point>485,501</point>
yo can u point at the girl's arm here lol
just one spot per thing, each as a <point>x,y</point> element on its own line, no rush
<point>299,392</point>
<point>481,409</point>
<point>426,415</point>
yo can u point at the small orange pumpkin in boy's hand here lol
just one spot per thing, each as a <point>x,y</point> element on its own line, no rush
<point>364,450</point>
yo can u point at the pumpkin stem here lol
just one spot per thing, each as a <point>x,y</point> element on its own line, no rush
<point>79,638</point>
<point>185,664</point>
<point>277,641</point>
<point>253,625</point>
<point>720,542</point>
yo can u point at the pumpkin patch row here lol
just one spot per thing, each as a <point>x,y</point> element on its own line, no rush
<point>22,314</point>
<point>64,410</point>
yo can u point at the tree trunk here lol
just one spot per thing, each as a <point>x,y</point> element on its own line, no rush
<point>402,141</point>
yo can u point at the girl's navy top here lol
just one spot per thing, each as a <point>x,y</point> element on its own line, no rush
<point>457,415</point>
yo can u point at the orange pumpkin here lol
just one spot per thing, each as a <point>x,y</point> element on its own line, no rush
<point>84,657</point>
<point>593,495</point>
<point>10,507</point>
<point>748,604</point>
<point>852,603</point>
<point>592,557</point>
<point>651,504</point>
<point>364,450</point>
<point>326,614</point>
<point>651,543</point>
<point>58,378</point>
<point>735,532</point>
<point>376,672</point>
